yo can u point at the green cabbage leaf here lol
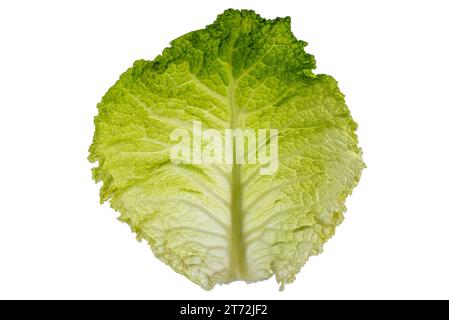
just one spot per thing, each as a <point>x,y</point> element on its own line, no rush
<point>218,223</point>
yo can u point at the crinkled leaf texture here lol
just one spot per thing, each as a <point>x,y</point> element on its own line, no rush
<point>220,223</point>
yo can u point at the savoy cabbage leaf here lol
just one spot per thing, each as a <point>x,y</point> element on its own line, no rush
<point>218,223</point>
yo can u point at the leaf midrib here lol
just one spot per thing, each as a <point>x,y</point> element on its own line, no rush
<point>237,248</point>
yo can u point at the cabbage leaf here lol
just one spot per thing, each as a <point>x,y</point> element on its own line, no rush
<point>220,223</point>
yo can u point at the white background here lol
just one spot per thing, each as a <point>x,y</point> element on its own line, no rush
<point>57,59</point>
